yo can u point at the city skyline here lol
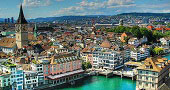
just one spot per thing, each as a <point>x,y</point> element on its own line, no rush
<point>50,8</point>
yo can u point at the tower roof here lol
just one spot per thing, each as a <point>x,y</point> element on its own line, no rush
<point>21,18</point>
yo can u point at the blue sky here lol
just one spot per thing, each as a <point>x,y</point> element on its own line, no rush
<point>49,8</point>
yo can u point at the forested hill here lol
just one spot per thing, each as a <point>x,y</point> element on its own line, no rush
<point>148,14</point>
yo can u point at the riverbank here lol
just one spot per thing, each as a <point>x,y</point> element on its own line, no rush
<point>103,83</point>
<point>167,56</point>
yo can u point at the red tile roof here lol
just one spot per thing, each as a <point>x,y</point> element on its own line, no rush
<point>150,27</point>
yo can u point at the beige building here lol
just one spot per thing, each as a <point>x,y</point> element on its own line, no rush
<point>153,72</point>
<point>21,30</point>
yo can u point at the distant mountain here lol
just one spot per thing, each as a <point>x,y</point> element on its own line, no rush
<point>51,19</point>
<point>62,18</point>
<point>148,14</point>
<point>1,19</point>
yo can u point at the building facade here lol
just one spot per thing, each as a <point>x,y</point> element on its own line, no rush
<point>152,74</point>
<point>107,60</point>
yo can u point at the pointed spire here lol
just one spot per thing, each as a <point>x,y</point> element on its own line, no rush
<point>35,30</point>
<point>21,18</point>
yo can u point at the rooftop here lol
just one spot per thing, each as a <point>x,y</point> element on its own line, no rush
<point>154,64</point>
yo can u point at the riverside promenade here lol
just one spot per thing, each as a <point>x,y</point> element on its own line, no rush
<point>110,73</point>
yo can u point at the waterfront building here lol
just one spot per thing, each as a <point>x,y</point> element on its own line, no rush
<point>87,55</point>
<point>153,72</point>
<point>30,80</point>
<point>38,67</point>
<point>17,78</point>
<point>16,75</point>
<point>5,81</point>
<point>64,68</point>
<point>107,60</point>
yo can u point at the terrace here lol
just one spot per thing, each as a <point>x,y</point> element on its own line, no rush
<point>65,74</point>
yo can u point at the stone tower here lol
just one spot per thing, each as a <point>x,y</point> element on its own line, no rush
<point>21,30</point>
<point>121,22</point>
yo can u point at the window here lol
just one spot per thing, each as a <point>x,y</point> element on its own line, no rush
<point>153,85</point>
<point>146,84</point>
<point>140,72</point>
<point>140,77</point>
<point>153,79</point>
<point>28,78</point>
<point>146,78</point>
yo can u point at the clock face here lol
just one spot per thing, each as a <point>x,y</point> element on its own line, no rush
<point>17,28</point>
<point>20,28</point>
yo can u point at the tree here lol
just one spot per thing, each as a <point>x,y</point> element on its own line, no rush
<point>158,50</point>
<point>157,35</point>
<point>135,30</point>
<point>50,44</point>
<point>86,65</point>
<point>168,25</point>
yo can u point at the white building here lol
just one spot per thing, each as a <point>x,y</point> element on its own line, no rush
<point>30,80</point>
<point>39,69</point>
<point>165,41</point>
<point>107,60</point>
<point>133,41</point>
<point>139,53</point>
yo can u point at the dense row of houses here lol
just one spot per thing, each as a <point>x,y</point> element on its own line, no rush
<point>45,57</point>
<point>55,70</point>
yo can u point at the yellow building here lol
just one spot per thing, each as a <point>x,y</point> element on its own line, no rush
<point>153,72</point>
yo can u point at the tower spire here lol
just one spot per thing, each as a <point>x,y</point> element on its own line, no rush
<point>35,30</point>
<point>21,18</point>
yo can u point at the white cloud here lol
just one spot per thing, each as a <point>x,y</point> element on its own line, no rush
<point>93,7</point>
<point>36,3</point>
<point>119,2</point>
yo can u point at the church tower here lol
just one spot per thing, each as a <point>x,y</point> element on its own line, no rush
<point>35,31</point>
<point>21,30</point>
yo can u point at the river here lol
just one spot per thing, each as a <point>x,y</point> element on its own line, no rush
<point>103,83</point>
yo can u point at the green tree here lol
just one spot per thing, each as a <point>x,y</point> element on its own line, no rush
<point>167,33</point>
<point>157,35</point>
<point>135,30</point>
<point>50,44</point>
<point>158,50</point>
<point>168,25</point>
<point>86,65</point>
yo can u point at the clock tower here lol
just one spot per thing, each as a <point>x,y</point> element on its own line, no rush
<point>21,30</point>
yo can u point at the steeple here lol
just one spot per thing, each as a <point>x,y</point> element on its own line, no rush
<point>21,18</point>
<point>35,30</point>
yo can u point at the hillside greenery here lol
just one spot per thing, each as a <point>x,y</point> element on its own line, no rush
<point>140,32</point>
